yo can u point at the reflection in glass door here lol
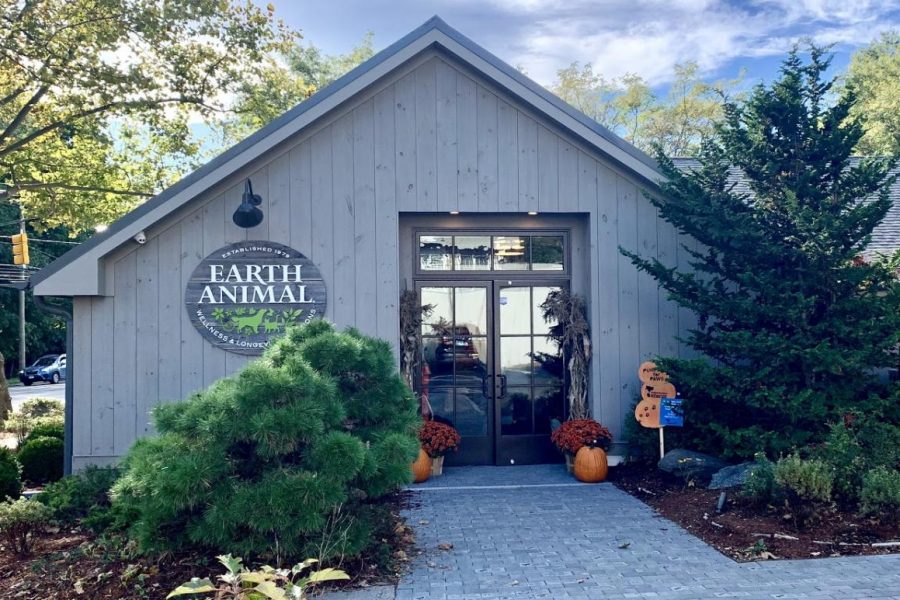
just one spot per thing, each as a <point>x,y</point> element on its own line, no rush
<point>530,371</point>
<point>456,376</point>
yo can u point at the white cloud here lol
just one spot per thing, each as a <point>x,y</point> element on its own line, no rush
<point>649,37</point>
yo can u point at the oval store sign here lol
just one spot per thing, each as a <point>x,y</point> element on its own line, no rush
<point>244,294</point>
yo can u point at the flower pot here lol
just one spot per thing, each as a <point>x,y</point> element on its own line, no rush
<point>437,466</point>
<point>422,467</point>
<point>591,465</point>
<point>570,463</point>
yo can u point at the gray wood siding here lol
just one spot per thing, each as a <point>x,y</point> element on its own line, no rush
<point>434,138</point>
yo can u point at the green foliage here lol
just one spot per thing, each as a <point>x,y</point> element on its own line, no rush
<point>82,497</point>
<point>266,583</point>
<point>794,323</point>
<point>880,494</point>
<point>873,76</point>
<point>676,123</point>
<point>10,474</point>
<point>318,427</point>
<point>45,428</point>
<point>42,459</point>
<point>20,521</point>
<point>36,408</point>
<point>806,484</point>
<point>97,97</point>
<point>760,488</point>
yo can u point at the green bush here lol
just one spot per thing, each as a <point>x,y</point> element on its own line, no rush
<point>855,446</point>
<point>36,408</point>
<point>21,425</point>
<point>42,459</point>
<point>760,488</point>
<point>806,484</point>
<point>20,520</point>
<point>10,475</point>
<point>46,428</point>
<point>279,458</point>
<point>880,495</point>
<point>82,497</point>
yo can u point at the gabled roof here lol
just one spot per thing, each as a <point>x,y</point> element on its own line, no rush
<point>52,280</point>
<point>885,238</point>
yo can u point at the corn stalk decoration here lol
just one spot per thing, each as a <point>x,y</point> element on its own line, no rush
<point>412,313</point>
<point>571,331</point>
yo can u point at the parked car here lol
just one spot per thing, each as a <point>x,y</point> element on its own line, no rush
<point>50,368</point>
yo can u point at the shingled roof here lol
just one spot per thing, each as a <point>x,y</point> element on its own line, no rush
<point>885,238</point>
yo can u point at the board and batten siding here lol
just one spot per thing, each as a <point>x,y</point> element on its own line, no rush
<point>432,137</point>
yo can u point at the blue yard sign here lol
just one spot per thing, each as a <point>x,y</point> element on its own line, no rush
<point>670,413</point>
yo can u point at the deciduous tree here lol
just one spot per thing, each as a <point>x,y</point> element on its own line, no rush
<point>874,77</point>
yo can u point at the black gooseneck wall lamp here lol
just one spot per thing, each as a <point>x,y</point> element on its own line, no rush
<point>248,213</point>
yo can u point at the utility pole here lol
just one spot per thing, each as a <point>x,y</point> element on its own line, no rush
<point>23,260</point>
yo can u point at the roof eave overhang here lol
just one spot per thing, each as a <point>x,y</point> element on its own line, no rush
<point>60,279</point>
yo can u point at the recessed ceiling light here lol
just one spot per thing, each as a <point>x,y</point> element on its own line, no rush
<point>454,212</point>
<point>532,212</point>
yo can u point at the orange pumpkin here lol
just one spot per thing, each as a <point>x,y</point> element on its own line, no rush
<point>422,467</point>
<point>591,465</point>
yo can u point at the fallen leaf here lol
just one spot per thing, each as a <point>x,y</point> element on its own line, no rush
<point>624,545</point>
<point>79,587</point>
<point>445,546</point>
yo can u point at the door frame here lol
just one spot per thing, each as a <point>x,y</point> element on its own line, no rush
<point>493,280</point>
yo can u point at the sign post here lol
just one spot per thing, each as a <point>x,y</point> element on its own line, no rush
<point>659,406</point>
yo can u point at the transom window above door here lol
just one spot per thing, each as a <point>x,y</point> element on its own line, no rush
<point>495,252</point>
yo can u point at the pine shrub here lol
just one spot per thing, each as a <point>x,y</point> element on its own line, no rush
<point>42,459</point>
<point>795,323</point>
<point>760,488</point>
<point>880,494</point>
<point>282,459</point>
<point>10,475</point>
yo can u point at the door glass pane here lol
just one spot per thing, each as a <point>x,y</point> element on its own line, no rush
<point>511,253</point>
<point>515,412</point>
<point>471,310</point>
<point>540,295</point>
<point>548,407</point>
<point>515,310</point>
<point>547,253</point>
<point>471,370</point>
<point>548,363</point>
<point>473,253</point>
<point>435,252</point>
<point>441,318</point>
<point>515,360</point>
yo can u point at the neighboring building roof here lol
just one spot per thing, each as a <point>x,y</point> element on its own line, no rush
<point>82,263</point>
<point>885,238</point>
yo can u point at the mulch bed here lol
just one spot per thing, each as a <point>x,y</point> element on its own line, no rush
<point>745,533</point>
<point>72,564</point>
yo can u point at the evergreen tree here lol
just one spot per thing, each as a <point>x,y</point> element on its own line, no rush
<point>795,322</point>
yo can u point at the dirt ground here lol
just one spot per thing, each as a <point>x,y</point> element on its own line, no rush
<point>745,533</point>
<point>72,564</point>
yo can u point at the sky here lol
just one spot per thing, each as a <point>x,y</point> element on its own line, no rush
<point>646,37</point>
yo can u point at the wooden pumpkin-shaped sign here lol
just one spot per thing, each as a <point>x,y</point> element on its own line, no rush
<point>422,467</point>
<point>655,386</point>
<point>591,465</point>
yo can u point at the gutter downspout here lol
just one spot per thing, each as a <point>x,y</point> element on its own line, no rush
<point>69,407</point>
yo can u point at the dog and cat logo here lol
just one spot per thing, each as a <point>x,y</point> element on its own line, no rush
<point>244,294</point>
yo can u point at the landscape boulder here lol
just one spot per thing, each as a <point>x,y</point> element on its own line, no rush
<point>731,476</point>
<point>691,466</point>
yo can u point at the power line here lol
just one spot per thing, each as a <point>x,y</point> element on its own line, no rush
<point>31,239</point>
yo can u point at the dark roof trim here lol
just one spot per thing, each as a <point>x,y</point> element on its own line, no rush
<point>434,23</point>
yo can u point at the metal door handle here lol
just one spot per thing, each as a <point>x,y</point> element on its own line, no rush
<point>502,385</point>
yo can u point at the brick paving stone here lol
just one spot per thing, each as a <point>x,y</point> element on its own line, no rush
<point>533,532</point>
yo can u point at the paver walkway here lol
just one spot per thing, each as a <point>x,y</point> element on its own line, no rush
<point>534,532</point>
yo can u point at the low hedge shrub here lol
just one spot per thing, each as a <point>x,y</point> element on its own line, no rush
<point>42,459</point>
<point>46,428</point>
<point>20,521</point>
<point>880,494</point>
<point>10,474</point>
<point>83,497</point>
<point>281,459</point>
<point>807,486</point>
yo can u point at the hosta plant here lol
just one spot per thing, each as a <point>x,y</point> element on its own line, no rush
<point>266,583</point>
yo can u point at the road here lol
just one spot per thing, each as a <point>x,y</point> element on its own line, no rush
<point>20,393</point>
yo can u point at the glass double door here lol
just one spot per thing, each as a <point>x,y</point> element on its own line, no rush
<point>490,369</point>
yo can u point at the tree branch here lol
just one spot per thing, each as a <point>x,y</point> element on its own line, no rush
<point>76,188</point>
<point>23,112</point>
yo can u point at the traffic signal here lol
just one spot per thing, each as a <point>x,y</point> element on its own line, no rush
<point>20,249</point>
